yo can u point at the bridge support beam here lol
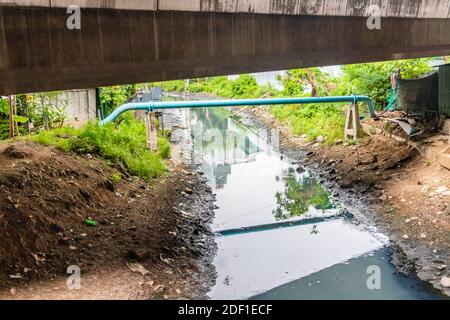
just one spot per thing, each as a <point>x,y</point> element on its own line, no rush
<point>39,53</point>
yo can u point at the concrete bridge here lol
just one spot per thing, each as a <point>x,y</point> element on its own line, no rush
<point>131,41</point>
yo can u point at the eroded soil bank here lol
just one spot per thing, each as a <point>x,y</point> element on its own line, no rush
<point>388,183</point>
<point>160,230</point>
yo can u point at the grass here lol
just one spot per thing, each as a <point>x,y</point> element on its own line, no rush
<point>327,121</point>
<point>124,142</point>
<point>116,177</point>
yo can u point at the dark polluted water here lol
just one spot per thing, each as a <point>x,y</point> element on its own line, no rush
<point>280,235</point>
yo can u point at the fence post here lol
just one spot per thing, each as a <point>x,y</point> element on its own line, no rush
<point>152,136</point>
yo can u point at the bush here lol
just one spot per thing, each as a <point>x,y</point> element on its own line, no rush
<point>313,120</point>
<point>124,143</point>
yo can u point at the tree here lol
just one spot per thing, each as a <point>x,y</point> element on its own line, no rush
<point>310,81</point>
<point>373,79</point>
<point>113,97</point>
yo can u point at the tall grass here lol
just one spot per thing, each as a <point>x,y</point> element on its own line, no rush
<point>323,120</point>
<point>124,143</point>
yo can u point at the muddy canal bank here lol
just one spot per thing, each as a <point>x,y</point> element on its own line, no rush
<point>385,183</point>
<point>281,227</point>
<point>150,240</point>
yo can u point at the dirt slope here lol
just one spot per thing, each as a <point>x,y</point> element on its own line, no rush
<point>46,197</point>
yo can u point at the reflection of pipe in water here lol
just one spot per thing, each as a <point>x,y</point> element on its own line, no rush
<point>276,225</point>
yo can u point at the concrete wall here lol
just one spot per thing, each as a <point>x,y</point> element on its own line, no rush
<point>389,8</point>
<point>81,106</point>
<point>38,52</point>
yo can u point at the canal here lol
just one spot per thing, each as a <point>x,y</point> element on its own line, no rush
<point>279,233</point>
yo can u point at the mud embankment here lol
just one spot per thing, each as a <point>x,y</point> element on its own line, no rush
<point>386,183</point>
<point>148,240</point>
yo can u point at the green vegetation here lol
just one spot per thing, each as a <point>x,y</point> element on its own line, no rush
<point>244,86</point>
<point>372,79</point>
<point>123,143</point>
<point>113,97</point>
<point>327,120</point>
<point>116,177</point>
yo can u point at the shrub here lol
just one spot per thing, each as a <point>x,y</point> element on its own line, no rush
<point>124,143</point>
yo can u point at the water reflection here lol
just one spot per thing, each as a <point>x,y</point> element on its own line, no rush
<point>220,142</point>
<point>299,195</point>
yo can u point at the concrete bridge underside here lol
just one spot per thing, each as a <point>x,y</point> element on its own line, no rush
<point>38,52</point>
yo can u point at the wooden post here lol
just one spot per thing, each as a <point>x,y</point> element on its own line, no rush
<point>11,103</point>
<point>352,122</point>
<point>152,136</point>
<point>160,121</point>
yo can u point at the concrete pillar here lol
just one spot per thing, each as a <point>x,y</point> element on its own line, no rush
<point>352,122</point>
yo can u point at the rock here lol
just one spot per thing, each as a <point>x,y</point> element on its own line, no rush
<point>441,190</point>
<point>405,236</point>
<point>320,139</point>
<point>108,185</point>
<point>138,268</point>
<point>13,291</point>
<point>188,190</point>
<point>73,248</point>
<point>159,288</point>
<point>300,169</point>
<point>345,183</point>
<point>445,282</point>
<point>441,267</point>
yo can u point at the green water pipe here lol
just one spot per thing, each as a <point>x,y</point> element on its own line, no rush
<point>153,105</point>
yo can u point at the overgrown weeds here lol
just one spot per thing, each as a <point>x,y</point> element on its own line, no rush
<point>119,143</point>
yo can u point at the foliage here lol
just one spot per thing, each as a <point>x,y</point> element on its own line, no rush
<point>4,119</point>
<point>121,143</point>
<point>47,110</point>
<point>244,86</point>
<point>326,120</point>
<point>310,81</point>
<point>373,79</point>
<point>113,97</point>
<point>116,177</point>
